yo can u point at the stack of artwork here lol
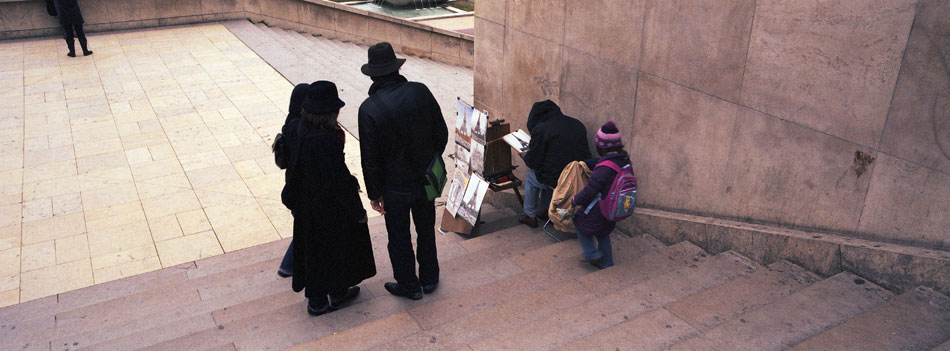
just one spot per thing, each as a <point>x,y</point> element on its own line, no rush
<point>468,186</point>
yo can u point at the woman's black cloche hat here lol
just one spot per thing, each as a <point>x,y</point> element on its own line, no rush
<point>382,60</point>
<point>322,97</point>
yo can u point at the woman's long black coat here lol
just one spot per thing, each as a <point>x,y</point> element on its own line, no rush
<point>332,249</point>
<point>68,12</point>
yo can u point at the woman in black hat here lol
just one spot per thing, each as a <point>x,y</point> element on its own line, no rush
<point>332,251</point>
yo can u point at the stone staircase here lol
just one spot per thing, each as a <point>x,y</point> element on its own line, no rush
<point>303,58</point>
<point>512,288</point>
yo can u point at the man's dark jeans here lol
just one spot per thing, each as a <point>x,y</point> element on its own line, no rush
<point>400,202</point>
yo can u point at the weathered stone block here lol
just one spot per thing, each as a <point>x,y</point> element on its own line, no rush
<point>492,10</point>
<point>22,15</point>
<point>489,65</point>
<point>608,29</point>
<point>445,45</point>
<point>416,42</point>
<point>669,227</point>
<point>351,23</point>
<point>698,43</point>
<point>252,6</point>
<point>537,64</point>
<point>96,11</point>
<point>219,6</point>
<point>812,251</point>
<point>898,268</point>
<point>173,21</point>
<point>593,91</point>
<point>681,141</point>
<point>540,18</point>
<point>829,66</point>
<point>921,194</point>
<point>781,172</point>
<point>177,8</point>
<point>918,124</point>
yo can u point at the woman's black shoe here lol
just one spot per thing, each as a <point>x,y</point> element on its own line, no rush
<point>430,288</point>
<point>349,295</point>
<point>315,308</point>
<point>283,274</point>
<point>398,290</point>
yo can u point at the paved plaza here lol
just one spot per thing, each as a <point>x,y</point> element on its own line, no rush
<point>154,151</point>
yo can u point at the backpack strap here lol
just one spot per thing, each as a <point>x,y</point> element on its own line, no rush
<point>610,164</point>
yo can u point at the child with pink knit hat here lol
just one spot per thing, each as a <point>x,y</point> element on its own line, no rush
<point>590,222</point>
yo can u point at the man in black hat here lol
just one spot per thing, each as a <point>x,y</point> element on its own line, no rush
<point>401,131</point>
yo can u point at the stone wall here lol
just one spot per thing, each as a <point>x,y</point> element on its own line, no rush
<point>23,19</point>
<point>825,116</point>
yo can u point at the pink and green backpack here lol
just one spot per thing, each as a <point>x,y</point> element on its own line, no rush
<point>619,201</point>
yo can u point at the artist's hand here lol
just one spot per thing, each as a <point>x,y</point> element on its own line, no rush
<point>378,205</point>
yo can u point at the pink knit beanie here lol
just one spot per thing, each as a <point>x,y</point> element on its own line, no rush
<point>608,136</point>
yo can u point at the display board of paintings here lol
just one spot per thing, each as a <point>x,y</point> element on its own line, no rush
<point>468,187</point>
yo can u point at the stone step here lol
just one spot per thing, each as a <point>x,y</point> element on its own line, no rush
<point>438,312</point>
<point>459,274</point>
<point>149,336</point>
<point>38,314</point>
<point>366,335</point>
<point>603,312</point>
<point>650,265</point>
<point>728,301</point>
<point>793,319</point>
<point>526,308</point>
<point>166,321</point>
<point>916,320</point>
<point>565,267</point>
<point>700,312</point>
<point>653,330</point>
<point>105,305</point>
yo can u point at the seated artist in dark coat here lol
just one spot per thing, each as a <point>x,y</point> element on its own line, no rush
<point>556,140</point>
<point>332,251</point>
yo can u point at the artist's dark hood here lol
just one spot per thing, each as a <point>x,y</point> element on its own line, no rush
<point>541,112</point>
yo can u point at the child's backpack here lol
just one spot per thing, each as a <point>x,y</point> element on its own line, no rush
<point>621,198</point>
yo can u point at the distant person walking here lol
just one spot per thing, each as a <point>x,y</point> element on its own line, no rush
<point>70,16</point>
<point>332,250</point>
<point>556,140</point>
<point>401,130</point>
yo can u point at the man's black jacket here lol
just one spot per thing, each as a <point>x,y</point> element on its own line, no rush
<point>556,140</point>
<point>401,130</point>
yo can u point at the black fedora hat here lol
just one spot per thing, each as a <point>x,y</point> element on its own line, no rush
<point>322,98</point>
<point>382,60</point>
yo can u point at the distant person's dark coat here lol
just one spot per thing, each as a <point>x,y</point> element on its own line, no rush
<point>332,249</point>
<point>556,140</point>
<point>68,11</point>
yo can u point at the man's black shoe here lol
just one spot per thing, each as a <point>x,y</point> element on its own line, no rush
<point>398,290</point>
<point>430,288</point>
<point>349,295</point>
<point>315,309</point>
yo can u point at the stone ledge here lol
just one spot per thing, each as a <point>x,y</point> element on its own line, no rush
<point>321,17</point>
<point>896,267</point>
